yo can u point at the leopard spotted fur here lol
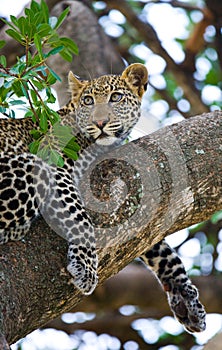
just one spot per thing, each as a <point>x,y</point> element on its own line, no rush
<point>103,112</point>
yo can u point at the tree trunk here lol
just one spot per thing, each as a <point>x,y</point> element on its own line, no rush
<point>179,171</point>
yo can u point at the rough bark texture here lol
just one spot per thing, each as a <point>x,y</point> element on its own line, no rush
<point>183,167</point>
<point>180,169</point>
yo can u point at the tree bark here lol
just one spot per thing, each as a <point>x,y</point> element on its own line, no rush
<point>179,169</point>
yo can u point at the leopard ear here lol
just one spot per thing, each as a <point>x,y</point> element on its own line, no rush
<point>76,86</point>
<point>136,76</point>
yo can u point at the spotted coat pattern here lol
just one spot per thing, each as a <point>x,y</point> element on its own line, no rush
<point>101,112</point>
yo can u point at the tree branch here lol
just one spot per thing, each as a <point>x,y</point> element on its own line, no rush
<point>150,37</point>
<point>179,169</point>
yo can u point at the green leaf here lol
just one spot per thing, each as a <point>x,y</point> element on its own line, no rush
<point>55,51</point>
<point>60,162</point>
<point>62,17</point>
<point>43,123</point>
<point>14,20</point>
<point>12,114</point>
<point>15,35</point>
<point>66,55</point>
<point>44,152</point>
<point>51,79</point>
<point>2,109</point>
<point>35,7</point>
<point>45,11</point>
<point>17,87</point>
<point>34,146</point>
<point>54,74</point>
<point>29,114</point>
<point>24,88</point>
<point>38,84</point>
<point>44,30</point>
<point>73,145</point>
<point>70,153</point>
<point>21,66</point>
<point>23,25</point>
<point>36,134</point>
<point>34,96</point>
<point>212,77</point>
<point>50,97</point>
<point>2,43</point>
<point>38,44</point>
<point>17,102</point>
<point>55,158</point>
<point>54,117</point>
<point>61,130</point>
<point>69,43</point>
<point>3,61</point>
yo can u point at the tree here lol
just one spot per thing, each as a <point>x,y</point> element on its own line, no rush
<point>186,190</point>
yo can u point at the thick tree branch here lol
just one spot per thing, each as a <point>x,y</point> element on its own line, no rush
<point>180,175</point>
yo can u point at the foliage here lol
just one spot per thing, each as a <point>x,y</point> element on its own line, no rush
<point>37,33</point>
<point>133,26</point>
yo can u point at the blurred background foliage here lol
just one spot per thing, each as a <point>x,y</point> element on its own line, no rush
<point>181,44</point>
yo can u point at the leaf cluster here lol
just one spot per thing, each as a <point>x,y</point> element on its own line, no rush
<point>59,136</point>
<point>37,32</point>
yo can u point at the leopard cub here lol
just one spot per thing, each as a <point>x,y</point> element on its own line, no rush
<point>101,112</point>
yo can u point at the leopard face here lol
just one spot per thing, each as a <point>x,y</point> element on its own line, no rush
<point>107,108</point>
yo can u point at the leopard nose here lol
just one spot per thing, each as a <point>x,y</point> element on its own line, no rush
<point>101,123</point>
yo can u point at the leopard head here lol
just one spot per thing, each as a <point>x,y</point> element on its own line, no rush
<point>108,107</point>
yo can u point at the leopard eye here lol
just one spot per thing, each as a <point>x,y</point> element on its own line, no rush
<point>116,97</point>
<point>88,100</point>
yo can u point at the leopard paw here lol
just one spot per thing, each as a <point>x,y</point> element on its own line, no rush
<point>84,276</point>
<point>184,302</point>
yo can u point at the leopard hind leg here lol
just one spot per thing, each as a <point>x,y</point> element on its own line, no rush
<point>183,296</point>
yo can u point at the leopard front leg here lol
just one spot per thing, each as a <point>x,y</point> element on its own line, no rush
<point>66,214</point>
<point>183,296</point>
<point>29,187</point>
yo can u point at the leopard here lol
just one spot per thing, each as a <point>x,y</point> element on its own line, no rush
<point>101,112</point>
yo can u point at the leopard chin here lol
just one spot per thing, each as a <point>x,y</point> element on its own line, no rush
<point>107,141</point>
